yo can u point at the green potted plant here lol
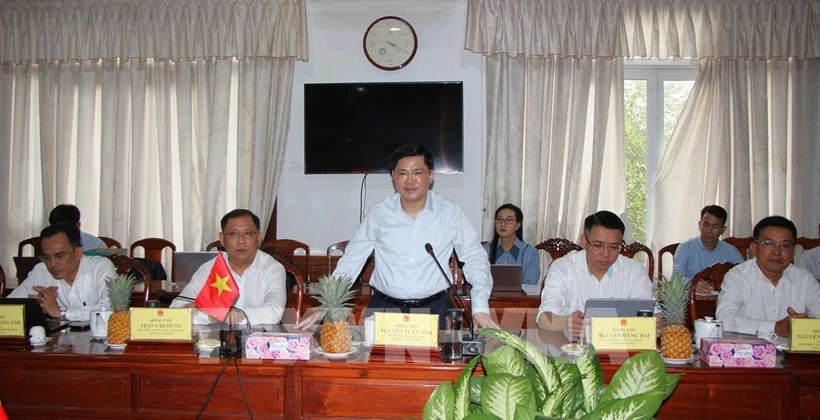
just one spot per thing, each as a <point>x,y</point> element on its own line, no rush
<point>521,382</point>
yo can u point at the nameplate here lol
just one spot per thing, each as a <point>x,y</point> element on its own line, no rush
<point>161,324</point>
<point>805,334</point>
<point>12,321</point>
<point>631,333</point>
<point>406,330</point>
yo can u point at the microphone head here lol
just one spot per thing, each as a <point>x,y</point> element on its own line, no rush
<point>428,248</point>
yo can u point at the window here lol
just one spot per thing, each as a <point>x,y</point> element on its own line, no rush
<point>654,96</point>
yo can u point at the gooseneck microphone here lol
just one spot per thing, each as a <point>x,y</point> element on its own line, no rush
<point>474,346</point>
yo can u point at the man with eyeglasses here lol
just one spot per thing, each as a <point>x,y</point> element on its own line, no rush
<point>67,283</point>
<point>598,271</point>
<point>261,279</point>
<point>706,249</point>
<point>405,277</point>
<point>763,294</point>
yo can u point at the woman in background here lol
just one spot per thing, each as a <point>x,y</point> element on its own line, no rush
<point>507,247</point>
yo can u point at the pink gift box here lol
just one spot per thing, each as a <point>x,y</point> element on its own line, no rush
<point>278,346</point>
<point>738,352</point>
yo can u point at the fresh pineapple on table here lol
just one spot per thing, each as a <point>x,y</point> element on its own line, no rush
<point>334,296</point>
<point>119,295</point>
<point>676,339</point>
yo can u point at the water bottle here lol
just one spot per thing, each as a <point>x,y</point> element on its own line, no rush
<point>452,334</point>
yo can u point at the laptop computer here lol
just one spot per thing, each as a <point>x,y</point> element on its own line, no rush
<point>506,278</point>
<point>33,313</point>
<point>24,266</point>
<point>615,307</point>
<point>187,262</point>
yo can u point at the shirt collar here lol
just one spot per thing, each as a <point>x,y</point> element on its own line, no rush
<point>517,247</point>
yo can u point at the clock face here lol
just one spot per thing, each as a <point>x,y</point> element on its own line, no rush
<point>390,43</point>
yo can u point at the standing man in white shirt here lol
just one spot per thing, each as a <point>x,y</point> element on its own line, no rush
<point>405,277</point>
<point>261,279</point>
<point>599,271</point>
<point>766,292</point>
<point>68,283</point>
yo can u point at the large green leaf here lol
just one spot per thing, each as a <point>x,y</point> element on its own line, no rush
<point>502,392</point>
<point>672,381</point>
<point>539,389</point>
<point>636,407</point>
<point>540,361</point>
<point>475,388</point>
<point>440,404</point>
<point>482,416</point>
<point>643,372</point>
<point>574,398</point>
<point>462,390</point>
<point>504,360</point>
<point>523,412</point>
<point>592,377</point>
<point>556,402</point>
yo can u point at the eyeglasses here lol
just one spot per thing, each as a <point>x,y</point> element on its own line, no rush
<point>599,247</point>
<point>236,234</point>
<point>507,221</point>
<point>60,256</point>
<point>771,243</point>
<point>414,173</point>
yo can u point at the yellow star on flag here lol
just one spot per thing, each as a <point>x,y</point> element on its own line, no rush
<point>221,284</point>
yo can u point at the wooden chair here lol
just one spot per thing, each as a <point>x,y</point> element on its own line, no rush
<point>35,246</point>
<point>558,247</point>
<point>293,270</point>
<point>110,242</point>
<point>2,282</point>
<point>215,246</point>
<point>808,243</point>
<point>636,247</point>
<point>338,246</point>
<point>669,249</point>
<point>698,308</point>
<point>128,265</point>
<point>742,244</point>
<point>286,248</point>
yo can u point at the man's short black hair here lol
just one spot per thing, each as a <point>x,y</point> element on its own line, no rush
<point>603,218</point>
<point>64,213</point>
<point>70,230</point>
<point>233,214</point>
<point>775,221</point>
<point>409,150</point>
<point>715,210</point>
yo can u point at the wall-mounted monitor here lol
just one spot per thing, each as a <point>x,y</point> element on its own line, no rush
<point>354,127</point>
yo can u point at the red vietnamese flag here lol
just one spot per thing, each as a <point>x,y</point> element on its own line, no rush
<point>219,292</point>
<point>3,415</point>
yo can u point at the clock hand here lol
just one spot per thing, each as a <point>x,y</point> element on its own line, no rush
<point>396,47</point>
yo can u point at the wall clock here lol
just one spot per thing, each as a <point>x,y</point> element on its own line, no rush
<point>390,43</point>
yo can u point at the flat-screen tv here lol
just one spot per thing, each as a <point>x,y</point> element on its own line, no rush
<point>354,127</point>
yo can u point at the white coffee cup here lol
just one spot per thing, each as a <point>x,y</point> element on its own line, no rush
<point>767,335</point>
<point>37,334</point>
<point>369,330</point>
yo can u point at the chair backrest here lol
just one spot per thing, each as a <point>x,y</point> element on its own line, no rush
<point>558,247</point>
<point>214,246</point>
<point>742,244</point>
<point>713,274</point>
<point>636,247</point>
<point>286,248</point>
<point>128,265</point>
<point>338,246</point>
<point>669,249</point>
<point>293,270</point>
<point>2,282</point>
<point>153,248</point>
<point>35,246</point>
<point>808,243</point>
<point>110,242</point>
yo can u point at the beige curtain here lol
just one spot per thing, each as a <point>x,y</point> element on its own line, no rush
<point>149,146</point>
<point>747,140</point>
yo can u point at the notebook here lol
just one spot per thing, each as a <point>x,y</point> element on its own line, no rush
<point>187,262</point>
<point>617,307</point>
<point>506,278</point>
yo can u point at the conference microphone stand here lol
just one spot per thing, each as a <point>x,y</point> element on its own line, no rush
<point>470,345</point>
<point>226,349</point>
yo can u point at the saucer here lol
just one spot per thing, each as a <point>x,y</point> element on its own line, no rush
<point>115,346</point>
<point>39,343</point>
<point>679,362</point>
<point>353,349</point>
<point>573,349</point>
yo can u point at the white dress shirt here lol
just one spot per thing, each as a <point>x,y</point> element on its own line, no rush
<point>76,299</point>
<point>403,268</point>
<point>810,260</point>
<point>262,293</point>
<point>569,283</point>
<point>748,301</point>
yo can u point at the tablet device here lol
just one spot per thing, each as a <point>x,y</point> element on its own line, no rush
<point>506,278</point>
<point>614,307</point>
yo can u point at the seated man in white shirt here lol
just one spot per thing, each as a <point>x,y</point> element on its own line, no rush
<point>599,271</point>
<point>764,293</point>
<point>67,283</point>
<point>810,260</point>
<point>261,279</point>
<point>69,213</point>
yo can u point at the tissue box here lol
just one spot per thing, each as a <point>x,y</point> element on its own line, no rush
<point>278,346</point>
<point>738,352</point>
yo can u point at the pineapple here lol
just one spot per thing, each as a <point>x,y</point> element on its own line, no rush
<point>119,294</point>
<point>676,339</point>
<point>334,295</point>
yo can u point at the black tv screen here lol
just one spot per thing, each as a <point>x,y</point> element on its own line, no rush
<point>354,127</point>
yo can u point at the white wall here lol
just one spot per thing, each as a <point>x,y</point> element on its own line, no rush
<point>324,209</point>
